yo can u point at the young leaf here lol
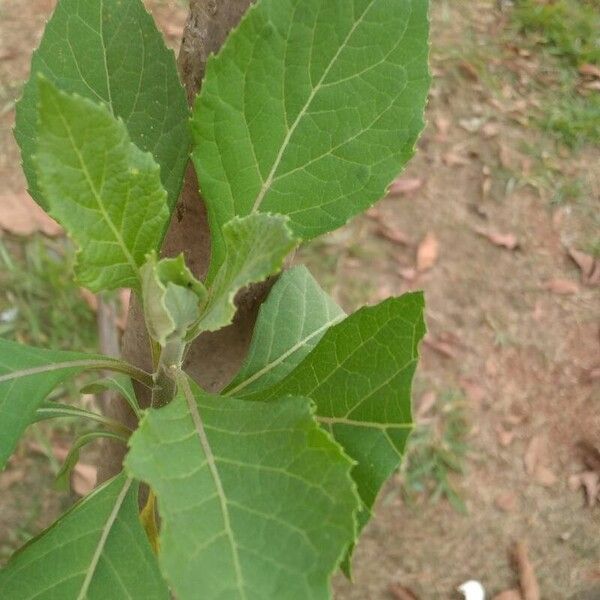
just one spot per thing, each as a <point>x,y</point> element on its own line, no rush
<point>310,110</point>
<point>117,383</point>
<point>97,550</point>
<point>27,376</point>
<point>359,376</point>
<point>63,477</point>
<point>111,52</point>
<point>172,298</point>
<point>54,410</point>
<point>290,323</point>
<point>255,248</point>
<point>256,501</point>
<point>104,190</point>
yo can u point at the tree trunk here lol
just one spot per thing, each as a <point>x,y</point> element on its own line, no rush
<point>213,358</point>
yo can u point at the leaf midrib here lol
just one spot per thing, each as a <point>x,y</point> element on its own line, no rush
<point>269,180</point>
<point>270,366</point>
<point>99,201</point>
<point>91,570</point>
<point>210,461</point>
<point>95,364</point>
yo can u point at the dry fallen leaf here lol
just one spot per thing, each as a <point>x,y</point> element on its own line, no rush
<point>441,347</point>
<point>508,595</point>
<point>453,158</point>
<point>590,482</point>
<point>589,70</point>
<point>534,463</point>
<point>504,240</point>
<point>533,454</point>
<point>544,476</point>
<point>530,589</point>
<point>393,234</point>
<point>426,403</point>
<point>588,265</point>
<point>20,215</point>
<point>442,125</point>
<point>490,130</point>
<point>505,437</point>
<point>472,124</point>
<point>562,287</point>
<point>409,274</point>
<point>428,252</point>
<point>400,592</point>
<point>507,501</point>
<point>405,185</point>
<point>468,70</point>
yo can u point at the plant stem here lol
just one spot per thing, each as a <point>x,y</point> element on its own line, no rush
<point>169,365</point>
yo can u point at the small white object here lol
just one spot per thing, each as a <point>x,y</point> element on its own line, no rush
<point>472,590</point>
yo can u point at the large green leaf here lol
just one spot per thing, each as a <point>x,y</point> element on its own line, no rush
<point>310,110</point>
<point>359,376</point>
<point>111,51</point>
<point>255,248</point>
<point>256,500</point>
<point>27,376</point>
<point>290,323</point>
<point>96,551</point>
<point>104,190</point>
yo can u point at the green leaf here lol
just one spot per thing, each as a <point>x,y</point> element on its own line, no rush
<point>359,376</point>
<point>27,376</point>
<point>290,323</point>
<point>54,410</point>
<point>172,296</point>
<point>111,52</point>
<point>256,501</point>
<point>97,550</point>
<point>310,110</point>
<point>63,477</point>
<point>104,190</point>
<point>117,383</point>
<point>255,248</point>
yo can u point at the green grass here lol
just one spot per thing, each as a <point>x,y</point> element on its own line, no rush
<point>574,119</point>
<point>436,453</point>
<point>40,304</point>
<point>569,29</point>
<point>568,33</point>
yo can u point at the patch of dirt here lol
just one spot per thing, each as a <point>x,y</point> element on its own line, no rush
<point>531,350</point>
<point>496,326</point>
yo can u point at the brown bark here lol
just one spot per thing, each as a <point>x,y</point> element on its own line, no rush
<point>213,358</point>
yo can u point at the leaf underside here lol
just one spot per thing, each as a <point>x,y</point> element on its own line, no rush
<point>292,320</point>
<point>255,499</point>
<point>111,52</point>
<point>310,110</point>
<point>96,551</point>
<point>255,248</point>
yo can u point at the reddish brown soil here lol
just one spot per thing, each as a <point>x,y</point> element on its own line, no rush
<point>523,355</point>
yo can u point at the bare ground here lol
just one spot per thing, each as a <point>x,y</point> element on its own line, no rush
<point>524,355</point>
